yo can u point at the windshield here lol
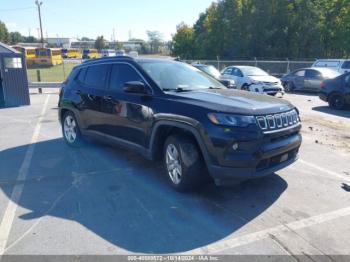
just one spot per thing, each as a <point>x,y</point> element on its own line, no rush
<point>171,76</point>
<point>210,70</point>
<point>253,71</point>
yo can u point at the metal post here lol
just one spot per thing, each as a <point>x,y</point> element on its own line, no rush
<point>41,27</point>
<point>38,78</point>
<point>256,62</point>
<point>218,60</point>
<point>288,66</point>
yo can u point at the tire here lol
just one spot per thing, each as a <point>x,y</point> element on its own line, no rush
<point>337,102</point>
<point>289,87</point>
<point>70,130</point>
<point>245,87</point>
<point>183,163</point>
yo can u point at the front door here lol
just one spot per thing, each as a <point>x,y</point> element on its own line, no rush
<point>127,116</point>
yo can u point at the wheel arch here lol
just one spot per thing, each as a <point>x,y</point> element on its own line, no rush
<point>165,128</point>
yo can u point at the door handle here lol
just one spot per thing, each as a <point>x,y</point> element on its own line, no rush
<point>78,92</point>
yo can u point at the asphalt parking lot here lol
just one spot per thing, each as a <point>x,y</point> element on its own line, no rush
<point>97,200</point>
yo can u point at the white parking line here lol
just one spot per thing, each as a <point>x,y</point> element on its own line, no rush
<point>324,170</point>
<point>10,212</point>
<point>260,235</point>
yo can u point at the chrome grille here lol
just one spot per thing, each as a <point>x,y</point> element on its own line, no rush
<point>275,122</point>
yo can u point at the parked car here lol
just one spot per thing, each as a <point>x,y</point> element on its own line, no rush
<point>213,72</point>
<point>336,91</point>
<point>254,79</point>
<point>108,52</point>
<point>340,65</point>
<point>173,112</point>
<point>307,79</point>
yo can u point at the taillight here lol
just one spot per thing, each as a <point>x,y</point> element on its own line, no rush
<point>323,85</point>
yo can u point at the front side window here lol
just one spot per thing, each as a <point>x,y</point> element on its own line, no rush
<point>96,76</point>
<point>121,74</point>
<point>178,76</point>
<point>228,71</point>
<point>300,73</point>
<point>237,72</point>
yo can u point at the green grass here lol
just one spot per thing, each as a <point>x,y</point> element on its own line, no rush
<point>56,73</point>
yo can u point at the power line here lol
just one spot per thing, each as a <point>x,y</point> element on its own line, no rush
<point>16,9</point>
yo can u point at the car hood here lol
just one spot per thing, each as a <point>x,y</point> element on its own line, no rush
<point>234,101</point>
<point>270,79</point>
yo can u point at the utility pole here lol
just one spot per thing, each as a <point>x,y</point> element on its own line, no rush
<point>41,27</point>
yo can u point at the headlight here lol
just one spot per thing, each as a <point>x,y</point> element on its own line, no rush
<point>231,120</point>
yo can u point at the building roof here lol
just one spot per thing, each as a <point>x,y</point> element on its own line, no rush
<point>7,49</point>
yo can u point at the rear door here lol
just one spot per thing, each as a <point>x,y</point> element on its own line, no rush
<point>93,84</point>
<point>313,80</point>
<point>299,79</point>
<point>127,116</point>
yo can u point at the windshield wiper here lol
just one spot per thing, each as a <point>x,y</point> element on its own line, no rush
<point>214,88</point>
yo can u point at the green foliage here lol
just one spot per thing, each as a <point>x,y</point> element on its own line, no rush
<point>4,34</point>
<point>15,38</point>
<point>183,41</point>
<point>269,28</point>
<point>100,43</point>
<point>155,39</point>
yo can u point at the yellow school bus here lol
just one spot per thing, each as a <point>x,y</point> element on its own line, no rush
<point>90,53</point>
<point>28,52</point>
<point>70,53</point>
<point>48,56</point>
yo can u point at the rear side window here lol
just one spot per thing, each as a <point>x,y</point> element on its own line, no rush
<point>313,74</point>
<point>122,73</point>
<point>96,76</point>
<point>346,65</point>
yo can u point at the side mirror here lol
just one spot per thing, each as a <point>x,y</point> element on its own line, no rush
<point>135,87</point>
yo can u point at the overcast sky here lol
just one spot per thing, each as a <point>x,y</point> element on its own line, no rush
<point>72,18</point>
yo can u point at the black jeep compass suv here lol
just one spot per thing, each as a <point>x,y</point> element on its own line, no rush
<point>173,112</point>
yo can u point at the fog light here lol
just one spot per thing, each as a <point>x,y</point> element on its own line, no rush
<point>235,146</point>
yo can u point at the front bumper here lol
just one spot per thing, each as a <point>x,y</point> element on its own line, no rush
<point>257,158</point>
<point>265,89</point>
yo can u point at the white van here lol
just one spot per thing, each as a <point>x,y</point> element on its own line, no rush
<point>340,65</point>
<point>107,52</point>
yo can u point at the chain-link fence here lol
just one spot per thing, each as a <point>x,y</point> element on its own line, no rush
<point>60,72</point>
<point>277,68</point>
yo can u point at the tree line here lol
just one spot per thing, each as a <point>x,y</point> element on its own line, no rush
<point>267,29</point>
<point>12,38</point>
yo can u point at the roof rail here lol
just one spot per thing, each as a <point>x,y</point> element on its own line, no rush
<point>109,58</point>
